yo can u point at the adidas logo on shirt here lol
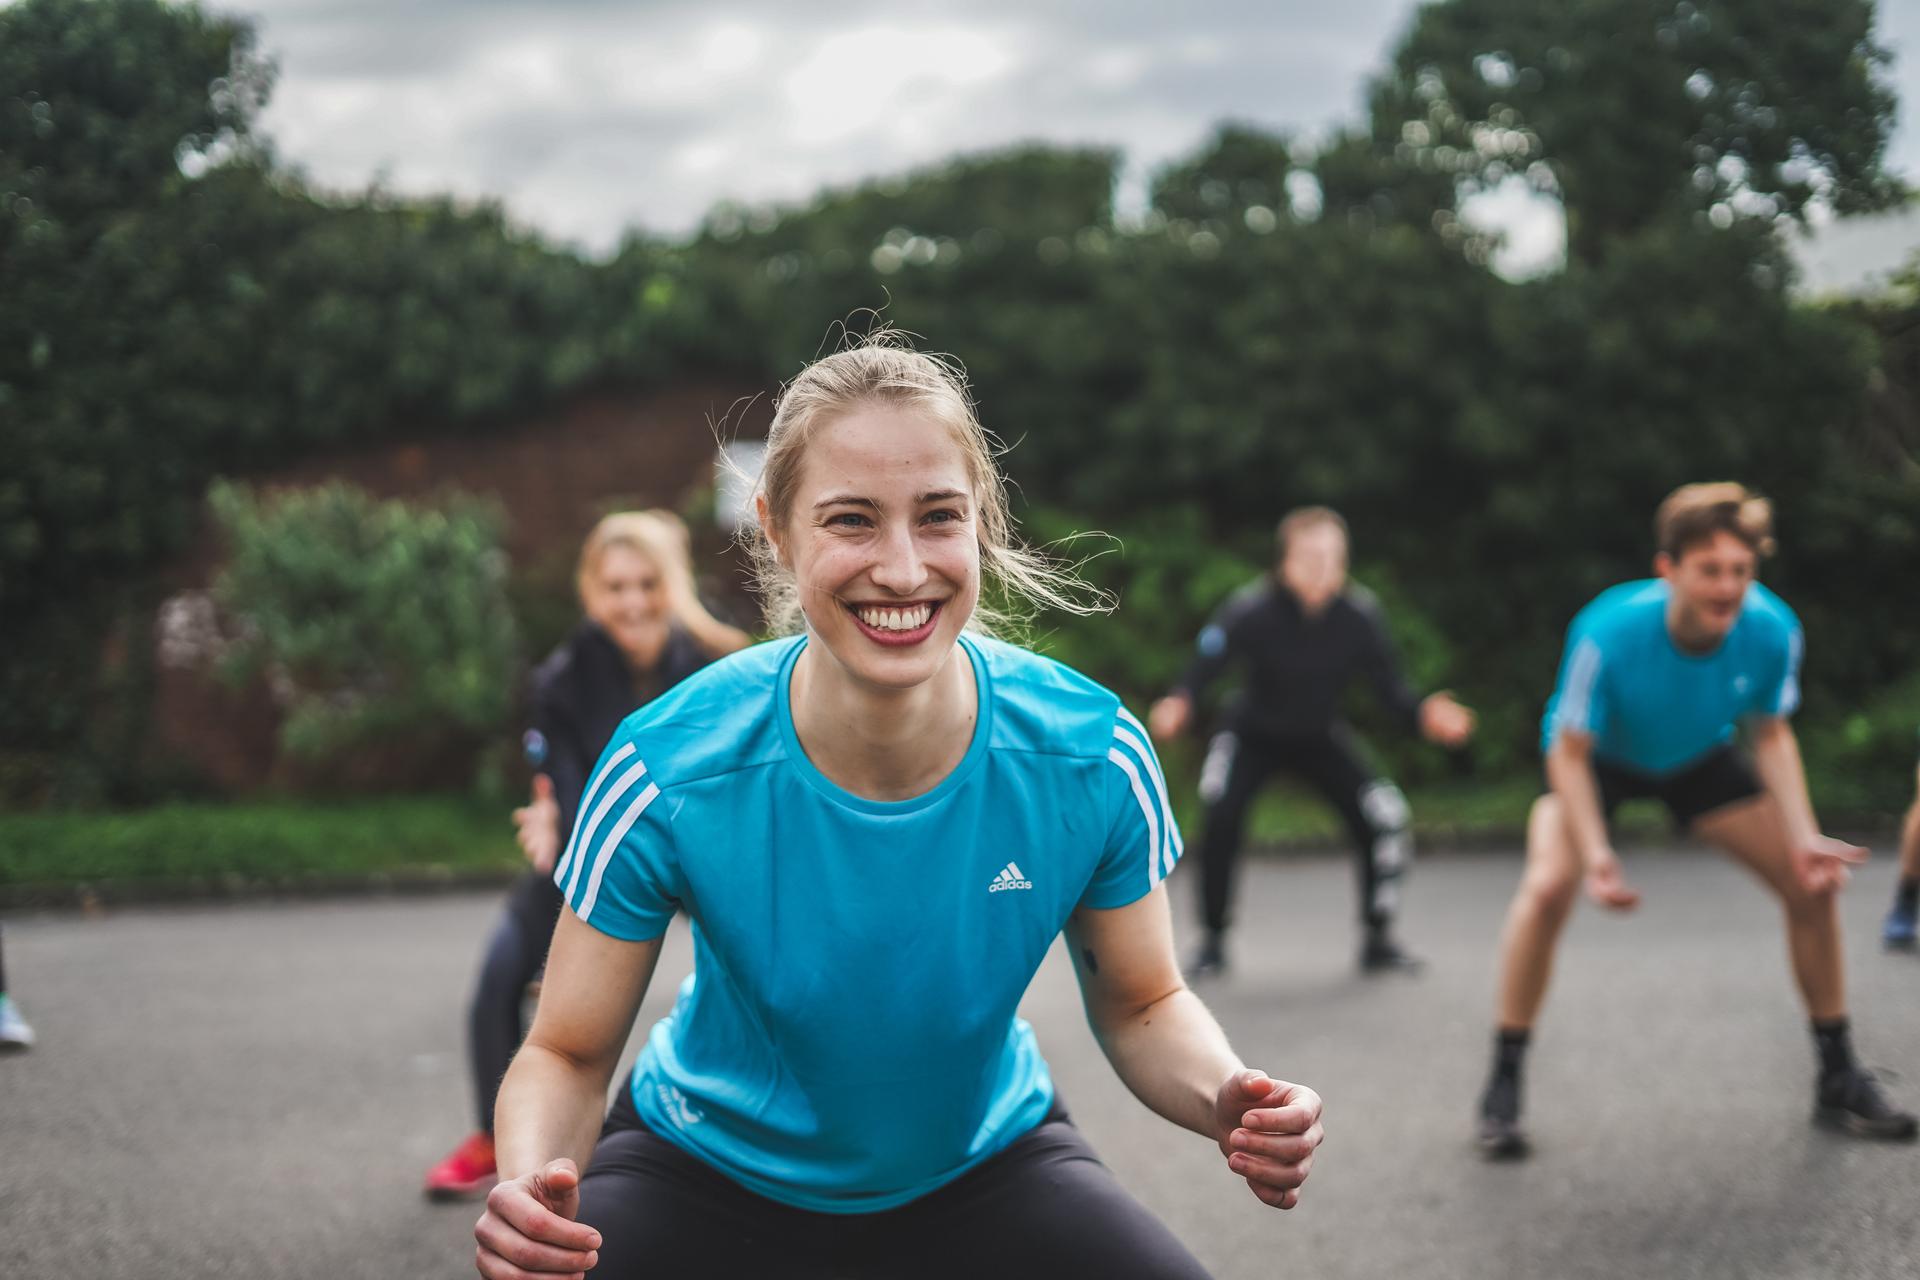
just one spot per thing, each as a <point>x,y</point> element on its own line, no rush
<point>1010,877</point>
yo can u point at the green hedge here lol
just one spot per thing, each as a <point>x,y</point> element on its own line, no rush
<point>266,841</point>
<point>1279,328</point>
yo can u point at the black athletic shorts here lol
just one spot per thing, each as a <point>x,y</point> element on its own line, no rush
<point>1043,1209</point>
<point>1722,778</point>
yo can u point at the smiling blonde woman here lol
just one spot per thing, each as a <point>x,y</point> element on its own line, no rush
<point>877,828</point>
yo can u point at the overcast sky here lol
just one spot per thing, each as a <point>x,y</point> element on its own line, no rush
<point>586,117</point>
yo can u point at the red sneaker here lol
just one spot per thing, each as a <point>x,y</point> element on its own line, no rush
<point>467,1173</point>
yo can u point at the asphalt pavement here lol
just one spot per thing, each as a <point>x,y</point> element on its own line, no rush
<point>256,1090</point>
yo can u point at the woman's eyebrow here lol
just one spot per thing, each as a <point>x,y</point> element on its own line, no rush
<point>846,500</point>
<point>851,500</point>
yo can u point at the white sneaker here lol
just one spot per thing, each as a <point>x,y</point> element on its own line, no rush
<point>14,1031</point>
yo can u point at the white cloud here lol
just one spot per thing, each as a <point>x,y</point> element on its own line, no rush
<point>587,117</point>
<point>890,79</point>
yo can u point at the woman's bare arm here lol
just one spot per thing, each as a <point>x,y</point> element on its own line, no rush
<point>551,1102</point>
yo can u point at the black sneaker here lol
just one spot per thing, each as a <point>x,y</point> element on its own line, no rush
<point>1381,954</point>
<point>1499,1133</point>
<point>1851,1102</point>
<point>1209,961</point>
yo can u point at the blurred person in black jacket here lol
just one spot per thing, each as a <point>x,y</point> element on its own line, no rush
<point>1299,636</point>
<point>645,630</point>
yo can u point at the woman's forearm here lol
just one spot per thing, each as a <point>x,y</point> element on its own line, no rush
<point>549,1106</point>
<point>1174,1057</point>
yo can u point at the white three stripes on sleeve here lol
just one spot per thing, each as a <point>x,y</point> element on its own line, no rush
<point>612,842</point>
<point>1171,846</point>
<point>1576,699</point>
<point>1788,700</point>
<point>581,823</point>
<point>1150,792</point>
<point>581,848</point>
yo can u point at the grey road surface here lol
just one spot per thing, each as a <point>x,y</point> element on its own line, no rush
<point>255,1091</point>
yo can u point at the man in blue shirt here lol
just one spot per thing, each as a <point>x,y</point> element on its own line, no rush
<point>1657,676</point>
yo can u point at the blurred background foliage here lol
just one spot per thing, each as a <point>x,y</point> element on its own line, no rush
<point>1284,324</point>
<point>382,628</point>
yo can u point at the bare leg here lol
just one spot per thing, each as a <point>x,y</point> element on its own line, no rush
<point>1899,933</point>
<point>1910,837</point>
<point>1755,834</point>
<point>1845,1097</point>
<point>1540,909</point>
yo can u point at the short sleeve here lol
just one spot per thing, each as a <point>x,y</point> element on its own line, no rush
<point>1580,704</point>
<point>1142,840</point>
<point>1781,697</point>
<point>620,873</point>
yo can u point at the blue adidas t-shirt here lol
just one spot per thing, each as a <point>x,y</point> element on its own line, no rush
<point>1650,705</point>
<point>847,1041</point>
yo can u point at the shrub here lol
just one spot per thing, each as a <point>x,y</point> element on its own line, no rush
<point>382,627</point>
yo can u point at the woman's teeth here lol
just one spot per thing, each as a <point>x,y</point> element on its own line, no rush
<point>897,619</point>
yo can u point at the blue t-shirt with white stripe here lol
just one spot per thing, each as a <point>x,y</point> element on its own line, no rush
<point>847,1041</point>
<point>1651,706</point>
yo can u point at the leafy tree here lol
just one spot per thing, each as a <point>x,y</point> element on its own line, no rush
<point>103,104</point>
<point>1367,186</point>
<point>177,309</point>
<point>1240,169</point>
<point>1630,111</point>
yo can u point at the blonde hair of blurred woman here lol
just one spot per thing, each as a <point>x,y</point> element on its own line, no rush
<point>663,538</point>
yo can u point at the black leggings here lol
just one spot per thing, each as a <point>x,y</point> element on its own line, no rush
<point>515,954</point>
<point>1238,764</point>
<point>1044,1208</point>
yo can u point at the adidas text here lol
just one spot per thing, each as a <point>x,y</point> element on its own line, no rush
<point>1010,877</point>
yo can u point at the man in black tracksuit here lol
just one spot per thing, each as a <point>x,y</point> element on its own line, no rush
<point>1298,638</point>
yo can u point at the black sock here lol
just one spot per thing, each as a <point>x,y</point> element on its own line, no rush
<point>1834,1045</point>
<point>1907,895</point>
<point>1509,1050</point>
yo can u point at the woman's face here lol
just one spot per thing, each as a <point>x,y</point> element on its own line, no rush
<point>626,594</point>
<point>884,541</point>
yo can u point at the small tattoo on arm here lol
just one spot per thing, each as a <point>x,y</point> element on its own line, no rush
<point>1093,964</point>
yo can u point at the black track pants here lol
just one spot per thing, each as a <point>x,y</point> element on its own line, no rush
<point>1043,1209</point>
<point>1374,810</point>
<point>515,954</point>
